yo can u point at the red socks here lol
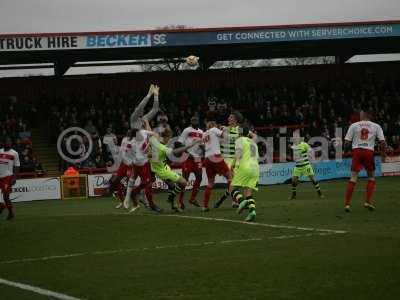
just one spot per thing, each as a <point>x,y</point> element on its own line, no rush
<point>149,194</point>
<point>207,194</point>
<point>349,192</point>
<point>181,194</point>
<point>370,190</point>
<point>120,192</point>
<point>195,191</point>
<point>196,187</point>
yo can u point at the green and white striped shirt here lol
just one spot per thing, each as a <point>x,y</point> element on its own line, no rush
<point>228,142</point>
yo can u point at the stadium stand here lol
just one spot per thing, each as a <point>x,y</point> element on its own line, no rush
<point>316,99</point>
<point>16,121</point>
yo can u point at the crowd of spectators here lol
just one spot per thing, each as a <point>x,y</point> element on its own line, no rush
<point>273,108</point>
<point>16,121</point>
<point>318,108</point>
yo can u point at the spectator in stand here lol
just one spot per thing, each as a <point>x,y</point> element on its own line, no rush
<point>211,108</point>
<point>38,167</point>
<point>99,161</point>
<point>91,129</point>
<point>222,111</point>
<point>21,125</point>
<point>109,138</point>
<point>95,159</point>
<point>27,164</point>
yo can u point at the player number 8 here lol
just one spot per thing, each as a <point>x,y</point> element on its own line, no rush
<point>364,133</point>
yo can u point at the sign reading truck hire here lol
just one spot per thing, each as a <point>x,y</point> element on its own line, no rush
<point>196,37</point>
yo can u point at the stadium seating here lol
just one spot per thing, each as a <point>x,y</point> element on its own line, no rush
<point>16,121</point>
<point>315,99</point>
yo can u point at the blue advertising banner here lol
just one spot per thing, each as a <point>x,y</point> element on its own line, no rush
<point>196,37</point>
<point>275,35</point>
<point>324,170</point>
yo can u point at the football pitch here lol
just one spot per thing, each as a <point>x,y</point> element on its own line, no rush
<point>303,249</point>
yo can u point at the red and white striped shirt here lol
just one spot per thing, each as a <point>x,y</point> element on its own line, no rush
<point>190,135</point>
<point>8,160</point>
<point>126,150</point>
<point>141,148</point>
<point>211,139</point>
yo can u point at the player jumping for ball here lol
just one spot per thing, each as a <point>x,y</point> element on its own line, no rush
<point>137,117</point>
<point>362,136</point>
<point>193,163</point>
<point>158,163</point>
<point>246,173</point>
<point>137,122</point>
<point>231,134</point>
<point>214,162</point>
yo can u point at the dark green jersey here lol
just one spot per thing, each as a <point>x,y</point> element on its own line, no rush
<point>231,134</point>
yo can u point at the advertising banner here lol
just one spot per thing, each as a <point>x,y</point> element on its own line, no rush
<point>324,170</point>
<point>98,183</point>
<point>36,189</point>
<point>198,37</point>
<point>49,188</point>
<point>269,174</point>
<point>391,166</point>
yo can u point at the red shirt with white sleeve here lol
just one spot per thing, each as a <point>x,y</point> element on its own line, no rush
<point>8,160</point>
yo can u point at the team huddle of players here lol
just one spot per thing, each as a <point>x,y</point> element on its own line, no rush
<point>229,151</point>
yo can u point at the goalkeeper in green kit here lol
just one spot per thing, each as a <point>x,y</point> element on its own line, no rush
<point>303,166</point>
<point>246,173</point>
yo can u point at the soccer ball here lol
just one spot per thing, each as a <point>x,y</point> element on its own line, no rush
<point>192,60</point>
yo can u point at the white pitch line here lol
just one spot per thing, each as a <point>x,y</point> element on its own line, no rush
<point>258,224</point>
<point>32,259</point>
<point>187,245</point>
<point>37,290</point>
<point>333,231</point>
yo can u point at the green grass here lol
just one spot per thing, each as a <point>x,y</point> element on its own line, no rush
<point>164,257</point>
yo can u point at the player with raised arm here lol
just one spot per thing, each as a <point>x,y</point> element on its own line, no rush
<point>214,161</point>
<point>137,117</point>
<point>231,134</point>
<point>140,162</point>
<point>9,168</point>
<point>158,163</point>
<point>362,136</point>
<point>303,167</point>
<point>136,120</point>
<point>246,173</point>
<point>193,163</point>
